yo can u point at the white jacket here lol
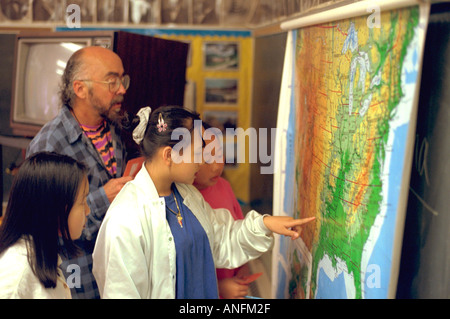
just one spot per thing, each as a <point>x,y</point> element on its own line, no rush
<point>134,255</point>
<point>17,280</point>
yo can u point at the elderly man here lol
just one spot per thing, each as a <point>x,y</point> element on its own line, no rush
<point>87,129</point>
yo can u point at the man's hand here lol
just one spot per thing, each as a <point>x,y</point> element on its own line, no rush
<point>114,185</point>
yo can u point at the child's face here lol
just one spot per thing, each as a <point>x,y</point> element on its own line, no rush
<point>80,209</point>
<point>212,169</point>
<point>185,170</point>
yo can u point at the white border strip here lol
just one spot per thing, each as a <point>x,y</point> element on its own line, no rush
<point>348,11</point>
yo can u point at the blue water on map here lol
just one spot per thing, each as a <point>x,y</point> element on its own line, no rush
<point>382,253</point>
<point>328,289</point>
<point>411,75</point>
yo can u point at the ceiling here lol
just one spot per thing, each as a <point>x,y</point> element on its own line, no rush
<point>151,13</point>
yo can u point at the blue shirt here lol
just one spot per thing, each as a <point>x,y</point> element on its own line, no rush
<point>196,274</point>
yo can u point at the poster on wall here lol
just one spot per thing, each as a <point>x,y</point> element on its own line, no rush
<point>221,91</point>
<point>205,12</point>
<point>222,120</point>
<point>141,11</point>
<point>15,11</point>
<point>175,11</point>
<point>112,11</point>
<point>347,115</point>
<point>221,56</point>
<point>49,11</point>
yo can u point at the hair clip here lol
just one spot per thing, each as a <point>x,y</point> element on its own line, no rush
<point>161,125</point>
<point>139,130</point>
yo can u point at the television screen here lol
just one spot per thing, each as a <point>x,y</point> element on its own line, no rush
<point>40,64</point>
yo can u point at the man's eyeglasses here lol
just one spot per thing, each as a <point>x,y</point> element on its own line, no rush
<point>114,85</point>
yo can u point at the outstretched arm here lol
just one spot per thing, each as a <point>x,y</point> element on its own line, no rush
<point>285,225</point>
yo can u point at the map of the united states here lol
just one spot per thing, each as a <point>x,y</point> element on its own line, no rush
<point>354,87</point>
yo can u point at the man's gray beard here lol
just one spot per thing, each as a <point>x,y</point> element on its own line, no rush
<point>114,118</point>
<point>111,117</point>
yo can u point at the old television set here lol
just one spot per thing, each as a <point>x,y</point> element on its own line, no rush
<point>40,60</point>
<point>157,68</point>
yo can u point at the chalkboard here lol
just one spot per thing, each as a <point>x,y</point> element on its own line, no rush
<point>425,260</point>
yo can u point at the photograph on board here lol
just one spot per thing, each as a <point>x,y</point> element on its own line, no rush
<point>221,91</point>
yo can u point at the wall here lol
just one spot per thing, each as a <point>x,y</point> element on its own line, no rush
<point>268,69</point>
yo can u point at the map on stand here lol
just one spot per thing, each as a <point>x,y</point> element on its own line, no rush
<point>345,146</point>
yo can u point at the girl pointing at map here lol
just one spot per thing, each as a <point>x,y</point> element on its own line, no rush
<point>160,239</point>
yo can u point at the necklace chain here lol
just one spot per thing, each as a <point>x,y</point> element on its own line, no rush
<point>179,217</point>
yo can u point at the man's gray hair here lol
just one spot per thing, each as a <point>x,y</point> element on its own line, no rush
<point>75,70</point>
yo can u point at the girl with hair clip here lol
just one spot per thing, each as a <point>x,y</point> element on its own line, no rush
<point>47,206</point>
<point>159,238</point>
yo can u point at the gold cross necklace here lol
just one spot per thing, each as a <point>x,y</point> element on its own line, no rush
<point>179,217</point>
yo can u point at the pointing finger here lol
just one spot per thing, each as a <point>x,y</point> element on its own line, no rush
<point>299,222</point>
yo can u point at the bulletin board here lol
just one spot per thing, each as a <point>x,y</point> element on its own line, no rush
<point>219,88</point>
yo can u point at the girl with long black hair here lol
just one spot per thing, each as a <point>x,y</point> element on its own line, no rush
<point>47,207</point>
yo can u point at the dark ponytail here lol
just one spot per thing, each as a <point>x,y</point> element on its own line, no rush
<point>129,122</point>
<point>175,117</point>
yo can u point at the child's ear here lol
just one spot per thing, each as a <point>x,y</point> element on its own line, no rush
<point>167,155</point>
